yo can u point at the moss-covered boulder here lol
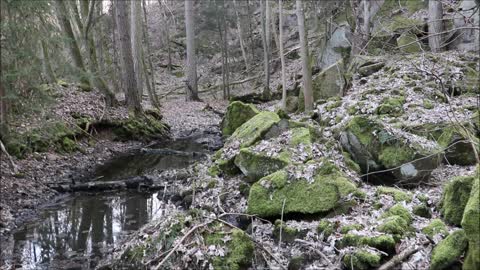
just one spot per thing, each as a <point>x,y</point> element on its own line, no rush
<point>319,193</point>
<point>384,242</point>
<point>396,221</point>
<point>253,130</point>
<point>435,227</point>
<point>455,196</point>
<point>408,43</point>
<point>375,148</point>
<point>471,225</point>
<point>449,251</point>
<point>240,250</point>
<point>362,259</point>
<point>459,151</point>
<point>422,210</point>
<point>268,157</point>
<point>237,113</point>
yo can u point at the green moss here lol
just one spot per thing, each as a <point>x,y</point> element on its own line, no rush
<point>213,170</point>
<point>435,227</point>
<point>300,196</point>
<point>326,227</point>
<point>333,105</point>
<point>289,234</point>
<point>422,210</point>
<point>394,156</point>
<point>296,263</point>
<point>455,197</point>
<point>69,145</point>
<point>240,252</point>
<point>384,242</point>
<point>392,106</point>
<point>146,127</point>
<point>394,225</point>
<point>362,128</point>
<point>399,210</point>
<point>345,229</point>
<point>423,198</point>
<point>361,260</point>
<point>427,104</point>
<point>409,43</point>
<point>397,194</point>
<point>350,163</point>
<point>471,225</point>
<point>253,130</point>
<point>359,194</point>
<point>448,251</point>
<point>212,183</point>
<point>237,113</point>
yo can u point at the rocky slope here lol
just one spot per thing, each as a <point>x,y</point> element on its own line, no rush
<point>365,178</point>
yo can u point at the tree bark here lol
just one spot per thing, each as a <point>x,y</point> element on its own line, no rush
<point>265,36</point>
<point>282,57</point>
<point>46,63</point>
<point>240,35</point>
<point>72,43</point>
<point>128,76</point>
<point>435,25</point>
<point>192,87</point>
<point>150,87</point>
<point>136,39</point>
<point>307,74</point>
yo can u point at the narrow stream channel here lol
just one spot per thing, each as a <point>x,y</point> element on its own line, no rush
<point>84,228</point>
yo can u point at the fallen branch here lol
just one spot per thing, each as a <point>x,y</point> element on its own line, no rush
<point>129,183</point>
<point>397,259</point>
<point>4,150</point>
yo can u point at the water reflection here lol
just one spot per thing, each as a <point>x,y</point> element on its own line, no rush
<point>77,233</point>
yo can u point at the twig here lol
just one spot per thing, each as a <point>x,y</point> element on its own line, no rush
<point>281,223</point>
<point>397,259</point>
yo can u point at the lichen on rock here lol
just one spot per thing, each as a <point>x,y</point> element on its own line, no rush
<point>237,113</point>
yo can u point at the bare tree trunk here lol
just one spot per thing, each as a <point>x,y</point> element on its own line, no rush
<point>128,77</point>
<point>62,14</point>
<point>307,74</point>
<point>282,57</point>
<point>240,35</point>
<point>166,22</point>
<point>136,36</point>
<point>150,87</point>
<point>361,9</point>
<point>225,45</point>
<point>265,37</point>
<point>46,63</point>
<point>274,31</point>
<point>250,30</point>
<point>192,87</point>
<point>116,43</point>
<point>435,25</point>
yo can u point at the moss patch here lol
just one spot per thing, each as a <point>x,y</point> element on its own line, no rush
<point>255,165</point>
<point>392,106</point>
<point>456,194</point>
<point>397,194</point>
<point>237,113</point>
<point>253,130</point>
<point>435,227</point>
<point>326,227</point>
<point>345,229</point>
<point>448,251</point>
<point>240,251</point>
<point>384,242</point>
<point>361,260</point>
<point>422,210</point>
<point>471,225</point>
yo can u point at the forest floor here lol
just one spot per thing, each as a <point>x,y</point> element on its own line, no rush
<point>24,190</point>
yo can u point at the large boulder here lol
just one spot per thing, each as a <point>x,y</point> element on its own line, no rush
<point>471,225</point>
<point>246,135</point>
<point>459,150</point>
<point>270,156</point>
<point>456,194</point>
<point>308,189</point>
<point>237,114</point>
<point>403,158</point>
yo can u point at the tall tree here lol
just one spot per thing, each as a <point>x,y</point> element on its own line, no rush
<point>435,25</point>
<point>192,87</point>
<point>63,18</point>
<point>136,39</point>
<point>240,34</point>
<point>265,24</point>
<point>282,57</point>
<point>150,86</point>
<point>128,70</point>
<point>306,71</point>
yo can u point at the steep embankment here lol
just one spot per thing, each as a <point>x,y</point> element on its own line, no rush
<point>352,185</point>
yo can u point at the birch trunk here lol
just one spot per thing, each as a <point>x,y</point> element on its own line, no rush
<point>307,74</point>
<point>192,88</point>
<point>435,25</point>
<point>128,76</point>
<point>282,57</point>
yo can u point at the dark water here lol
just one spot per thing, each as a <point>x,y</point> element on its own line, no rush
<point>81,230</point>
<point>77,233</point>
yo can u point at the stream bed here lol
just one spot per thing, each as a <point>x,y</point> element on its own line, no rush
<point>81,229</point>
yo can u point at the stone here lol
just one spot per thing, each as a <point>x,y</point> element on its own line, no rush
<point>361,259</point>
<point>436,226</point>
<point>455,196</point>
<point>367,70</point>
<point>397,194</point>
<point>374,148</point>
<point>237,113</point>
<point>448,251</point>
<point>252,131</point>
<point>408,43</point>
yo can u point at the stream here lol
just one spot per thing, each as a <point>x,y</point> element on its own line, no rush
<point>82,229</point>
